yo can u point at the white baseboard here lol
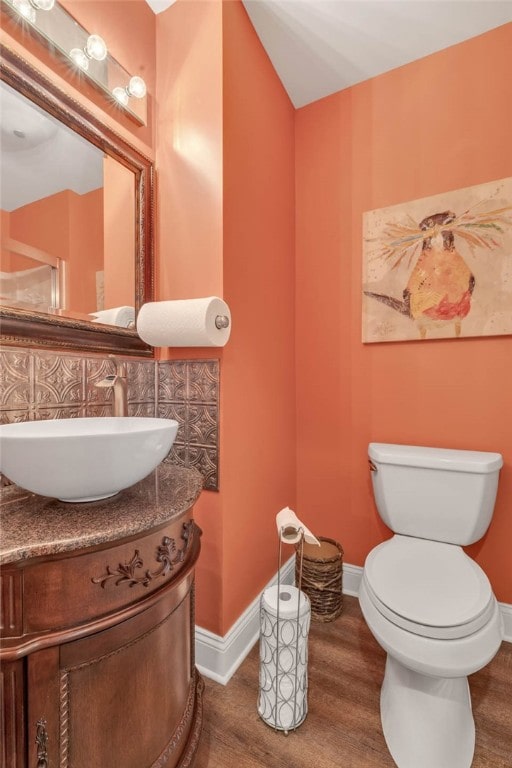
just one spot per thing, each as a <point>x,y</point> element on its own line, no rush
<point>352,575</point>
<point>218,658</point>
<point>506,612</point>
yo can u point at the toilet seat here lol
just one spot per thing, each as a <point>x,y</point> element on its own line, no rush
<point>429,588</point>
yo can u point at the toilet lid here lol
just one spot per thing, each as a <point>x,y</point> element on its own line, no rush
<point>430,588</point>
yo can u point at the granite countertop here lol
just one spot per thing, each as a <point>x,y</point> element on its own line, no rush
<point>33,526</point>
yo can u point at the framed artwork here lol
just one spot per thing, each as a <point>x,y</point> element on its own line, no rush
<point>439,267</point>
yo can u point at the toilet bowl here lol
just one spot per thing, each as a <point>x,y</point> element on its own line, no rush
<point>428,604</point>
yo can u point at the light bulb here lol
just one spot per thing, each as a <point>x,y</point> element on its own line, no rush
<point>43,5</point>
<point>96,48</point>
<point>121,95</point>
<point>137,87</point>
<point>24,9</point>
<point>80,58</point>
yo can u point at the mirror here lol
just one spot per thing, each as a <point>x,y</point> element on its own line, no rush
<point>77,221</point>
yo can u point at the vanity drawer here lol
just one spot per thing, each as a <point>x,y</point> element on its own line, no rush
<point>79,588</point>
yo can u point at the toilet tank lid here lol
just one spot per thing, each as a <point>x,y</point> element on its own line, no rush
<point>448,459</point>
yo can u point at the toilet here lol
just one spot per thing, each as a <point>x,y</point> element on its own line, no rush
<point>427,603</point>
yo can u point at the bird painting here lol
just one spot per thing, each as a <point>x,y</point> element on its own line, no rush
<point>437,262</point>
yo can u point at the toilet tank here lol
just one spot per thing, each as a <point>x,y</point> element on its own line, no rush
<point>435,493</point>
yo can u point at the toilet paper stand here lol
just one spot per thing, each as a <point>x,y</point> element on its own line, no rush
<point>299,549</point>
<point>282,701</point>
<point>299,552</point>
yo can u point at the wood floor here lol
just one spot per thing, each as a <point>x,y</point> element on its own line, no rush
<point>342,729</point>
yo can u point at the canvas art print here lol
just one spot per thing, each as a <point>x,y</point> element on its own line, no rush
<point>439,267</point>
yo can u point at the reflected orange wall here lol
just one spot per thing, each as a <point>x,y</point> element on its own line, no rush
<point>78,239</point>
<point>85,247</point>
<point>5,233</point>
<point>118,241</point>
<point>438,124</point>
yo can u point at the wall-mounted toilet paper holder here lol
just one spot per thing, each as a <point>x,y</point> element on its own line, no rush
<point>222,321</point>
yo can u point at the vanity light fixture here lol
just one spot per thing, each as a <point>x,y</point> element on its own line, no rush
<point>28,8</point>
<point>95,48</point>
<point>43,5</point>
<point>136,88</point>
<point>66,37</point>
<point>25,9</point>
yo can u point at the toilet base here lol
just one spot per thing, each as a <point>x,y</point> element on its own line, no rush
<point>427,721</point>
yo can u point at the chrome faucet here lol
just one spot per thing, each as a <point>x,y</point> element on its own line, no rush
<point>118,382</point>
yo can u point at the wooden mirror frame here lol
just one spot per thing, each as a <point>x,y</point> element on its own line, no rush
<point>29,328</point>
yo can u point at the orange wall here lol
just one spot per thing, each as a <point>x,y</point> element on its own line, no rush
<point>225,227</point>
<point>189,149</point>
<point>258,369</point>
<point>437,124</point>
<point>189,214</point>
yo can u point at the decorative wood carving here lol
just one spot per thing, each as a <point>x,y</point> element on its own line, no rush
<point>167,554</point>
<point>189,756</point>
<point>64,719</point>
<point>42,744</point>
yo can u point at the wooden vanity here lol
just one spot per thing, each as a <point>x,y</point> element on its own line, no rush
<point>97,626</point>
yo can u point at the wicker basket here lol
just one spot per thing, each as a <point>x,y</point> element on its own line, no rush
<point>322,577</point>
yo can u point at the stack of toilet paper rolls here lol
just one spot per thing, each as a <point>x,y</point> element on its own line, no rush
<point>285,616</point>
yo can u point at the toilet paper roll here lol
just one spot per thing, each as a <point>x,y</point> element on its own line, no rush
<point>289,528</point>
<point>287,601</point>
<point>184,323</point>
<point>124,317</point>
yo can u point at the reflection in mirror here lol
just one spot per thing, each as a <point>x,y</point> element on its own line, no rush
<point>29,277</point>
<point>76,220</point>
<point>69,204</point>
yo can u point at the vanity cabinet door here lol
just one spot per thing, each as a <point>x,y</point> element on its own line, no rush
<point>122,697</point>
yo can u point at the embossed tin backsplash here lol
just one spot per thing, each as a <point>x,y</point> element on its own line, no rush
<point>37,384</point>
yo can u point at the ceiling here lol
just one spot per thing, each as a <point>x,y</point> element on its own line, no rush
<point>39,156</point>
<point>318,47</point>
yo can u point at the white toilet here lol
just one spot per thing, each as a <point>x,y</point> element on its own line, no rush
<point>428,604</point>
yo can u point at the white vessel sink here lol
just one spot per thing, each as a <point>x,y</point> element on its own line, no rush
<point>83,459</point>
